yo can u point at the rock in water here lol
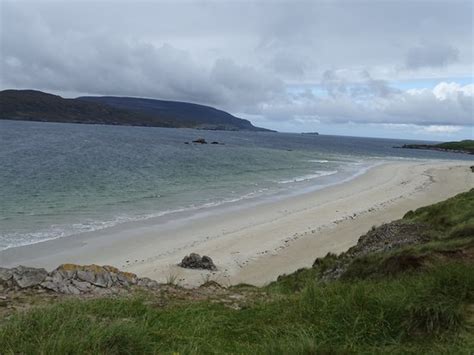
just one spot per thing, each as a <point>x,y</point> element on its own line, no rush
<point>195,261</point>
<point>200,141</point>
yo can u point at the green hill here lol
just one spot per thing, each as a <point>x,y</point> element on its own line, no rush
<point>464,146</point>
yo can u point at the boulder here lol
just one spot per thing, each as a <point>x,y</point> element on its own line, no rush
<point>200,141</point>
<point>195,261</point>
<point>22,276</point>
<point>5,275</point>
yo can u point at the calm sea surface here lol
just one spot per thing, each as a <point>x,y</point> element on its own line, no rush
<point>64,179</point>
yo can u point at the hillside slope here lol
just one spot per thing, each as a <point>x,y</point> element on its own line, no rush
<point>183,114</point>
<point>32,105</point>
<point>464,146</point>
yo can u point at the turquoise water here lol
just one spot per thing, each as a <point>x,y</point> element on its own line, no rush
<point>59,180</point>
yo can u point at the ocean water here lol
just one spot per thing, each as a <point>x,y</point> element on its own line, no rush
<point>60,180</point>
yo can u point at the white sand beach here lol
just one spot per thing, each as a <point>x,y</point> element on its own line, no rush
<point>256,242</point>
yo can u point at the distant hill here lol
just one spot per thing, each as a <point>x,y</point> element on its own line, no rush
<point>465,146</point>
<point>32,105</point>
<point>183,114</point>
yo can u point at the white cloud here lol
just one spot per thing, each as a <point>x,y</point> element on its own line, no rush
<point>446,105</point>
<point>441,129</point>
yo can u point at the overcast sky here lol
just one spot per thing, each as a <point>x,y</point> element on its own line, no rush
<point>370,68</point>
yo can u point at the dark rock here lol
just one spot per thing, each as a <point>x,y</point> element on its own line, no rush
<point>472,168</point>
<point>186,142</point>
<point>195,261</point>
<point>215,142</point>
<point>200,141</point>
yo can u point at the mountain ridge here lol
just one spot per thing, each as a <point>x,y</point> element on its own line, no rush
<point>34,105</point>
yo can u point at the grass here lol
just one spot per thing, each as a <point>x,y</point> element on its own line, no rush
<point>447,216</point>
<point>377,306</point>
<point>363,316</point>
<point>467,145</point>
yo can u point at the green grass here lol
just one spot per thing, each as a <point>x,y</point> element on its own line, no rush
<point>467,145</point>
<point>417,299</point>
<point>449,215</point>
<point>411,312</point>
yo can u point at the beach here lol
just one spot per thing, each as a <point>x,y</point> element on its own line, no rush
<point>259,240</point>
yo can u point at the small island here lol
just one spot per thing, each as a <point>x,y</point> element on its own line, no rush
<point>464,146</point>
<point>311,133</point>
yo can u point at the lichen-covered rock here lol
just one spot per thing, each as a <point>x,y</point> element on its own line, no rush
<point>22,276</point>
<point>147,282</point>
<point>195,261</point>
<point>73,279</point>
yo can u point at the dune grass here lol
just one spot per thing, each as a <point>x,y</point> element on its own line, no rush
<point>368,310</point>
<point>412,312</point>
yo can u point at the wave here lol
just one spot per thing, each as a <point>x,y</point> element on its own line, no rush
<point>318,161</point>
<point>317,174</point>
<point>13,240</point>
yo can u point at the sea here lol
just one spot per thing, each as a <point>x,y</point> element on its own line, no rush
<point>59,180</point>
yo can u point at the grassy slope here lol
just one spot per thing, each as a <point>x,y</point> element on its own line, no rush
<point>467,145</point>
<point>427,309</point>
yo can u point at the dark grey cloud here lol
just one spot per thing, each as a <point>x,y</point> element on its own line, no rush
<point>247,57</point>
<point>433,55</point>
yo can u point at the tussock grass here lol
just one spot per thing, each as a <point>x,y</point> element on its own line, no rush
<point>364,315</point>
<point>449,215</point>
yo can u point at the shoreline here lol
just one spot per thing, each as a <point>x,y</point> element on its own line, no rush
<point>257,243</point>
<point>307,184</point>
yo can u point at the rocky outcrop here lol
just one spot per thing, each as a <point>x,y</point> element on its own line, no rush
<point>387,237</point>
<point>73,279</point>
<point>22,276</point>
<point>195,261</point>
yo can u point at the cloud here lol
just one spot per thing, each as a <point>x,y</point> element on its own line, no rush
<point>441,129</point>
<point>355,83</point>
<point>103,64</point>
<point>433,55</point>
<point>446,105</point>
<point>293,62</point>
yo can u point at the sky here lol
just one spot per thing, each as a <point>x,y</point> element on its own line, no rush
<point>395,69</point>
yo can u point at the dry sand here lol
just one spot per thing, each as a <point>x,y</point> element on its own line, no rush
<point>254,243</point>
